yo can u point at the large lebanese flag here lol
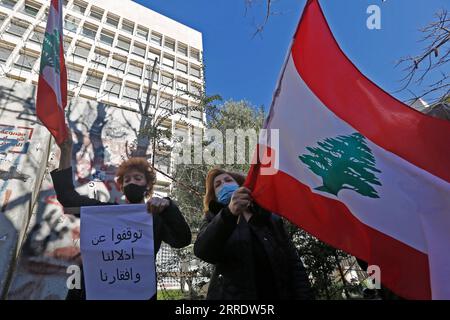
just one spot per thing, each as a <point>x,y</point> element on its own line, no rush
<point>52,85</point>
<point>355,167</point>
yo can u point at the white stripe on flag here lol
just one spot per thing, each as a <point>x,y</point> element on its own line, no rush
<point>413,206</point>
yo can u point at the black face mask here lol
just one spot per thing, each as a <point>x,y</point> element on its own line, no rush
<point>134,192</point>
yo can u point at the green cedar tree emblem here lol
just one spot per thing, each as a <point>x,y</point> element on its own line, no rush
<point>344,162</point>
<point>50,51</point>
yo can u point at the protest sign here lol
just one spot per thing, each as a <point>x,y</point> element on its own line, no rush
<point>118,252</point>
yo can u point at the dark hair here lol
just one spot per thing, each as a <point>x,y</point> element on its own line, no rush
<point>138,164</point>
<point>210,192</point>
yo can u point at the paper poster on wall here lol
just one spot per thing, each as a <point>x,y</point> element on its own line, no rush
<point>117,250</point>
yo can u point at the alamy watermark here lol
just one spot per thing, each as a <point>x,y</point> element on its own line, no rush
<point>373,22</point>
<point>234,146</point>
<point>74,279</point>
<point>374,278</point>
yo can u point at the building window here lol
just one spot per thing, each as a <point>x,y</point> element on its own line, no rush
<point>67,42</point>
<point>31,8</point>
<point>182,49</point>
<point>25,61</point>
<point>93,80</point>
<point>5,52</point>
<point>123,44</point>
<point>195,71</point>
<point>89,31</point>
<point>106,37</point>
<point>142,32</point>
<point>169,44</point>
<point>130,93</point>
<point>181,107</point>
<point>81,51</point>
<point>152,54</point>
<point>195,89</point>
<point>165,103</point>
<point>195,54</point>
<point>139,49</point>
<point>45,14</point>
<point>118,64</point>
<point>167,81</point>
<point>162,162</point>
<point>128,26</point>
<point>156,39</point>
<point>96,13</point>
<point>8,3</point>
<point>17,28</point>
<point>148,73</point>
<point>73,76</point>
<point>182,66</point>
<point>79,7</point>
<point>112,88</point>
<point>196,113</point>
<point>168,61</point>
<point>135,70</point>
<point>71,23</point>
<point>152,97</point>
<point>182,86</point>
<point>101,57</point>
<point>37,36</point>
<point>112,20</point>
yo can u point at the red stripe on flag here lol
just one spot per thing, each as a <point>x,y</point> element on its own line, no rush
<point>403,269</point>
<point>63,74</point>
<point>55,5</point>
<point>417,138</point>
<point>48,111</point>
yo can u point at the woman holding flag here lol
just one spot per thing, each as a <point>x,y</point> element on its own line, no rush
<point>252,254</point>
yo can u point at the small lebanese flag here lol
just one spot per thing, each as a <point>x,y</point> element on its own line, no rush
<point>52,86</point>
<point>355,167</point>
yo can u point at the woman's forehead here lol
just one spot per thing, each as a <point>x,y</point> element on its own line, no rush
<point>133,172</point>
<point>222,176</point>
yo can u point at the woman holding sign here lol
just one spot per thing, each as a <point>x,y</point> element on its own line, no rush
<point>136,179</point>
<point>252,254</point>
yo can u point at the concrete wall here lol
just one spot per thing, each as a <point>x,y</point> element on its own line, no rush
<point>144,16</point>
<point>23,154</point>
<point>31,215</point>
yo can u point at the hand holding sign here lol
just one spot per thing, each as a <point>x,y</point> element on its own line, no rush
<point>157,205</point>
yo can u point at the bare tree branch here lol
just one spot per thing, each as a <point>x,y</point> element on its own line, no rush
<point>434,56</point>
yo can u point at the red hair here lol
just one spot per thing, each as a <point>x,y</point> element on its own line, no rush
<point>138,164</point>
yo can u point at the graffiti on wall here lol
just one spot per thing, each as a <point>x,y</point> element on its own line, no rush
<point>101,135</point>
<point>22,165</point>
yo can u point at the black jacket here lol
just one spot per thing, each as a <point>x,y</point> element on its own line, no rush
<point>251,257</point>
<point>169,226</point>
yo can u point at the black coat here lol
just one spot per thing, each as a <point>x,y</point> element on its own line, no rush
<point>169,226</point>
<point>239,249</point>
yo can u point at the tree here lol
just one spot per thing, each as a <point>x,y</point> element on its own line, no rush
<point>324,265</point>
<point>230,115</point>
<point>267,13</point>
<point>435,57</point>
<point>344,162</point>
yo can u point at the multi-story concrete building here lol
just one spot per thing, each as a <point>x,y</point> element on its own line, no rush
<point>110,50</point>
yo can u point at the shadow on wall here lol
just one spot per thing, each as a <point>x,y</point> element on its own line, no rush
<point>22,154</point>
<point>100,135</point>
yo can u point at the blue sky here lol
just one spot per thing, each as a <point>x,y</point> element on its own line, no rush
<point>239,66</point>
